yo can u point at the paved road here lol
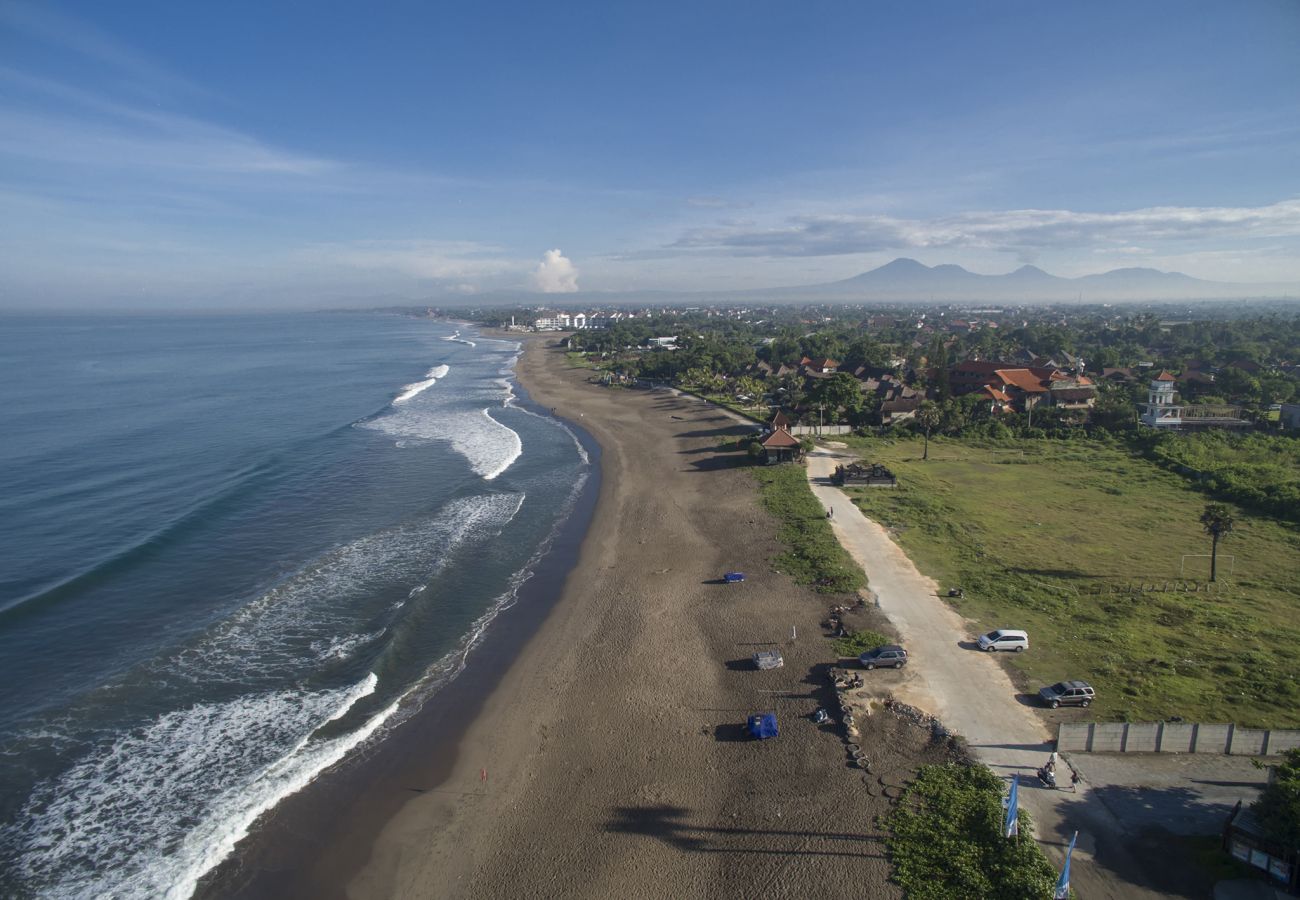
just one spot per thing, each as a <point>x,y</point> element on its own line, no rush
<point>971,694</point>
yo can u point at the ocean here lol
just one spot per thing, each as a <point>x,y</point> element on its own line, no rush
<point>236,550</point>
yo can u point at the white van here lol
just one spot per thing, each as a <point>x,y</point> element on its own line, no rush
<point>1004,639</point>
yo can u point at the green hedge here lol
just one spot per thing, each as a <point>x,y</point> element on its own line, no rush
<point>945,838</point>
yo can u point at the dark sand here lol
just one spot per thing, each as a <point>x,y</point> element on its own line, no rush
<point>604,755</point>
<point>613,748</point>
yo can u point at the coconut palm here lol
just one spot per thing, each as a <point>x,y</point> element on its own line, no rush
<point>1217,521</point>
<point>927,416</point>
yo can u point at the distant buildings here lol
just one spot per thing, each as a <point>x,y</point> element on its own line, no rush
<point>1163,411</point>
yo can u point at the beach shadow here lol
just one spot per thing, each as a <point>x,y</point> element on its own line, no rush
<point>730,732</point>
<point>1030,700</point>
<point>732,431</point>
<point>969,645</point>
<point>741,665</point>
<point>1043,747</point>
<point>714,463</point>
<point>715,581</point>
<point>672,824</point>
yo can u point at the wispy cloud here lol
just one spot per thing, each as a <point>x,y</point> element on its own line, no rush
<point>1009,231</point>
<point>422,259</point>
<point>77,127</point>
<point>42,23</point>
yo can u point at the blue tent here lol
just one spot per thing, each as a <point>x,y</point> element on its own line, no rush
<point>763,725</point>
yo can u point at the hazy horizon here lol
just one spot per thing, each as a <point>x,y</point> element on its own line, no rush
<point>241,157</point>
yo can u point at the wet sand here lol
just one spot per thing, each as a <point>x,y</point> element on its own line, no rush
<point>611,759</point>
<point>608,756</point>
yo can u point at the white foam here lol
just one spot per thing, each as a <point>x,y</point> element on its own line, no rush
<point>489,446</point>
<point>453,662</point>
<point>149,814</point>
<point>283,629</point>
<point>430,379</point>
<point>456,338</point>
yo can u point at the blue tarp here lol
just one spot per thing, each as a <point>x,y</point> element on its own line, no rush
<point>732,577</point>
<point>763,725</point>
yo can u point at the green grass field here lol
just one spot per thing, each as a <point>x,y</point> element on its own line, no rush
<point>815,556</point>
<point>1051,537</point>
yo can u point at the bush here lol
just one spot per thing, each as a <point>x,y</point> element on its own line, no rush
<point>946,840</point>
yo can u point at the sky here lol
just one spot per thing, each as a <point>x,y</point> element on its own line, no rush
<point>289,154</point>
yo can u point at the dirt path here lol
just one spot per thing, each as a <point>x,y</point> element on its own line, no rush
<point>612,761</point>
<point>969,691</point>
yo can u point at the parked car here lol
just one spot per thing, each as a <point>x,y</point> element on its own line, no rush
<point>888,655</point>
<point>1004,639</point>
<point>1068,693</point>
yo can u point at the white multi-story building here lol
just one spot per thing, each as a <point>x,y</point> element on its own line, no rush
<point>1161,410</point>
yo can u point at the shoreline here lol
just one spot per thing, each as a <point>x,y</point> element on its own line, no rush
<point>608,754</point>
<point>313,840</point>
<point>613,747</point>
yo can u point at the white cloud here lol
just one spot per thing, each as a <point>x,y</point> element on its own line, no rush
<point>555,274</point>
<point>1019,231</point>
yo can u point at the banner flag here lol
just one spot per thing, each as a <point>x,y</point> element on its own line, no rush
<point>1063,883</point>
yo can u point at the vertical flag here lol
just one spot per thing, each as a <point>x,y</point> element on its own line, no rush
<point>1063,883</point>
<point>1011,825</point>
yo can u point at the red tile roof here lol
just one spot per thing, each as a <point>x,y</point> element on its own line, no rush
<point>1023,379</point>
<point>780,438</point>
<point>1165,376</point>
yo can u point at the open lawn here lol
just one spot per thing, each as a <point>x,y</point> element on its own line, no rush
<point>1062,538</point>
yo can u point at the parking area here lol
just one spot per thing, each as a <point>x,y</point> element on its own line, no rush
<point>1183,793</point>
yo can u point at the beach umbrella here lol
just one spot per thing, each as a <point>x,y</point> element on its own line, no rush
<point>1011,824</point>
<point>1063,883</point>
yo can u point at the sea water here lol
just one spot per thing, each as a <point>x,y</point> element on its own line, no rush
<point>236,549</point>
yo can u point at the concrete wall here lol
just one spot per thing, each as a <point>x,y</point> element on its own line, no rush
<point>1173,737</point>
<point>820,429</point>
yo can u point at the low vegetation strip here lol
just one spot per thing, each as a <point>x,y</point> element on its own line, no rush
<point>946,840</point>
<point>815,556</point>
<point>1101,556</point>
<point>1260,471</point>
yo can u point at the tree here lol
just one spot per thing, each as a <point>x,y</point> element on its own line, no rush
<point>927,416</point>
<point>1217,521</point>
<point>1278,806</point>
<point>840,391</point>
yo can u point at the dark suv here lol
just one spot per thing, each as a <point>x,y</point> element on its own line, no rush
<point>1068,693</point>
<point>888,655</point>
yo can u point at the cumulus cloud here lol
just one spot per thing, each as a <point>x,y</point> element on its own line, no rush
<point>1020,230</point>
<point>555,274</point>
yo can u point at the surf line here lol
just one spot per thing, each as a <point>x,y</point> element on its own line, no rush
<point>430,379</point>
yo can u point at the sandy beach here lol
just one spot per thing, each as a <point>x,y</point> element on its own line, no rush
<point>595,746</point>
<point>610,760</point>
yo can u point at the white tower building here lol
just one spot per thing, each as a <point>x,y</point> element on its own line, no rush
<point>1161,411</point>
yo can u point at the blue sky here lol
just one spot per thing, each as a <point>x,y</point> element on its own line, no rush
<point>266,154</point>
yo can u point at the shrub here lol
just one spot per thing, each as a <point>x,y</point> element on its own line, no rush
<point>946,840</point>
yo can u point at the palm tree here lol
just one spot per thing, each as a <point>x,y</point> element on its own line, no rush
<point>927,416</point>
<point>1218,523</point>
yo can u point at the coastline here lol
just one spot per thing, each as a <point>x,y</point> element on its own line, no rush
<point>611,759</point>
<point>606,753</point>
<point>310,843</point>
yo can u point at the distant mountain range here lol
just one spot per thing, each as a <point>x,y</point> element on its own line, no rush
<point>909,280</point>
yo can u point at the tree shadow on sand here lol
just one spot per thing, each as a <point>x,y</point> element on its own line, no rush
<point>671,824</point>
